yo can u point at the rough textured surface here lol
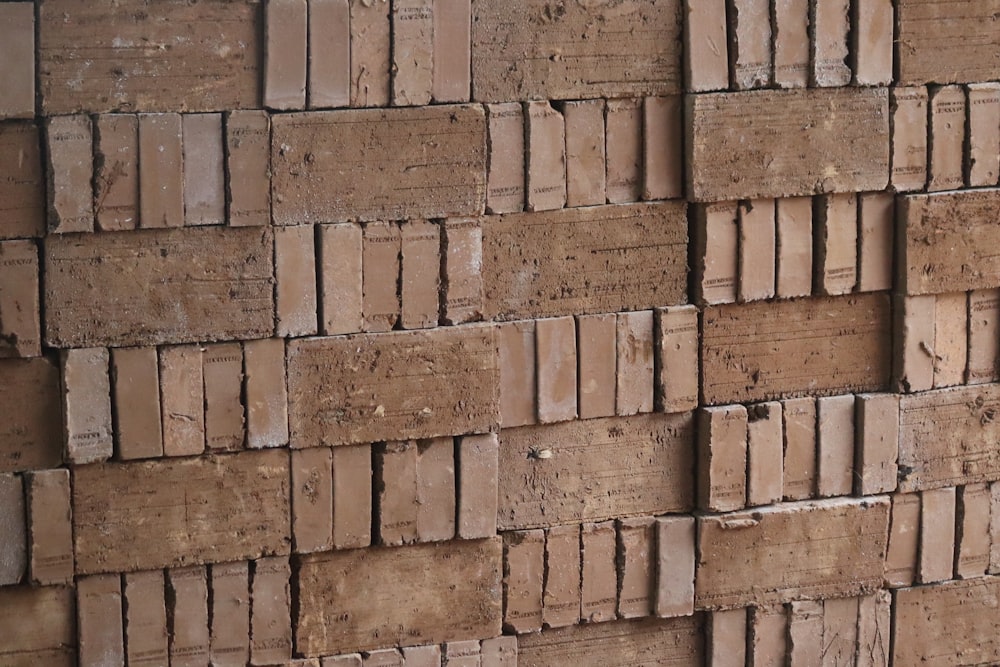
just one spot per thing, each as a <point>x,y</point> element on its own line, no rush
<point>942,41</point>
<point>37,626</point>
<point>31,434</point>
<point>22,181</point>
<point>645,642</point>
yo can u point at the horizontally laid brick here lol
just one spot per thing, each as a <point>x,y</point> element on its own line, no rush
<point>100,619</point>
<point>675,640</point>
<point>22,181</point>
<point>145,618</point>
<point>477,475</point>
<point>229,614</point>
<point>161,170</point>
<point>706,57</point>
<point>50,527</point>
<point>615,258</point>
<point>910,138</point>
<point>791,43</point>
<point>70,170</point>
<point>136,399</point>
<point>31,433</point>
<point>341,278</point>
<point>248,164</point>
<point>270,611</point>
<point>675,544</point>
<point>285,28</point>
<point>599,575</point>
<point>722,458</point>
<point>204,169</point>
<point>586,156</point>
<point>187,598</point>
<point>413,41</point>
<point>794,241</point>
<point>14,548</point>
<point>371,38</point>
<point>335,166</point>
<point>329,79</point>
<point>756,256</point>
<point>947,137</point>
<point>295,281</point>
<point>225,414</point>
<point>182,396</point>
<point>87,405</point>
<point>946,42</point>
<point>625,466</point>
<point>676,337</point>
<point>750,44</point>
<point>380,305</point>
<point>265,393</point>
<point>715,246</point>
<point>420,273</point>
<point>429,655</point>
<point>461,654</point>
<point>453,589</point>
<point>904,540</point>
<point>20,326</point>
<point>506,158</point>
<point>116,172</point>
<point>195,498</point>
<point>37,627</point>
<point>800,464</point>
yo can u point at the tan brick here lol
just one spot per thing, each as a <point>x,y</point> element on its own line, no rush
<point>116,171</point>
<point>429,656</point>
<point>452,50</point>
<point>757,250</point>
<point>937,535</point>
<point>840,631</point>
<point>20,326</point>
<point>161,170</point>
<point>461,654</point>
<point>765,454</point>
<point>750,44</point>
<point>586,158</point>
<point>182,396</point>
<point>767,640</point>
<point>266,396</point>
<point>872,27</point>
<point>637,561</point>
<point>477,478</point>
<point>346,660</point>
<point>676,640</point>
<point>722,458</point>
<point>436,493</point>
<point>947,137</point>
<point>675,544</point>
<point>230,614</point>
<point>983,160</point>
<point>835,431</point>
<point>371,42</point>
<point>270,611</point>
<point>31,432</point>
<point>69,143</point>
<point>706,54</point>
<point>396,482</point>
<point>145,618</point>
<point>829,25</point>
<point>389,657</point>
<point>50,527</point>
<point>726,638</point>
<point>312,499</point>
<point>946,42</point>
<point>874,629</point>
<point>624,123</point>
<point>248,163</point>
<point>462,248</point>
<point>597,353</point>
<point>716,241</point>
<point>100,622</point>
<point>285,26</point>
<point>22,181</point>
<point>545,139</point>
<point>972,531</point>
<point>901,557</point>
<point>187,596</point>
<point>498,652</point>
<point>561,598</point>
<point>506,161</point>
<point>352,497</point>
<point>14,526</point>
<point>876,219</point>
<point>37,628</point>
<point>791,43</point>
<point>799,427</point>
<point>341,286</point>
<point>805,633</point>
<point>794,240</point>
<point>222,370</point>
<point>836,243</point>
<point>984,337</point>
<point>876,443</point>
<point>380,270</point>
<point>624,466</point>
<point>413,45</point>
<point>598,573</point>
<point>555,361</point>
<point>329,76</point>
<point>663,148</point>
<point>910,144</point>
<point>635,376</point>
<point>87,405</point>
<point>913,354</point>
<point>295,298</point>
<point>676,338</point>
<point>136,398</point>
<point>420,259</point>
<point>516,356</point>
<point>951,337</point>
<point>17,74</point>
<point>204,169</point>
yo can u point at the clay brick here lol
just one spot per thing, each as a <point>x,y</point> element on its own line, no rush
<point>984,337</point>
<point>346,660</point>
<point>389,657</point>
<point>116,171</point>
<point>477,477</point>
<point>624,466</point>
<point>436,497</point>
<point>836,241</point>
<point>498,652</point>
<point>872,27</point>
<point>750,44</point>
<point>49,527</point>
<point>161,170</point>
<point>454,391</point>
<point>285,28</point>
<point>829,25</point>
<point>248,163</point>
<point>295,280</point>
<point>716,242</point>
<point>765,454</point>
<point>726,638</point>
<point>794,240</point>
<point>675,544</point>
<point>204,169</point>
<point>876,443</point>
<point>757,250</point>
<point>86,405</point>
<point>840,631</point>
<point>827,547</point>
<point>124,530</point>
<point>37,628</point>
<point>222,370</point>
<point>187,613</point>
<point>514,42</point>
<point>352,497</point>
<point>555,361</point>
<point>767,641</point>
<point>423,656</point>
<point>805,633</point>
<point>420,258</point>
<point>598,572</point>
<point>270,613</point>
<point>100,623</point>
<point>951,338</point>
<point>635,376</point>
<point>947,137</point>
<point>340,278</point>
<point>946,42</point>
<point>145,618</point>
<point>266,396</point>
<point>909,138</point>
<point>230,614</point>
<point>545,139</point>
<point>596,337</point>
<point>22,181</point>
<point>13,524</point>
<point>31,432</point>
<point>586,157</point>
<point>17,74</point>
<point>319,158</point>
<point>846,148</point>
<point>722,458</point>
<point>329,53</point>
<point>706,54</point>
<point>396,483</point>
<point>461,654</point>
<point>874,629</point>
<point>676,336</point>
<point>516,359</point>
<point>901,557</point>
<point>136,399</point>
<point>637,560</point>
<point>413,42</point>
<point>462,248</point>
<point>380,276</point>
<point>913,348</point>
<point>20,328</point>
<point>972,531</point>
<point>791,43</point>
<point>663,148</point>
<point>312,499</point>
<point>454,589</point>
<point>148,287</point>
<point>983,161</point>
<point>835,430</point>
<point>69,142</point>
<point>506,161</point>
<point>624,123</point>
<point>617,258</point>
<point>876,219</point>
<point>371,35</point>
<point>676,640</point>
<point>820,346</point>
<point>937,535</point>
<point>799,427</point>
<point>452,50</point>
<point>182,396</point>
<point>561,598</point>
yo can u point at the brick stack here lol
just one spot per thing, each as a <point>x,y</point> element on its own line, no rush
<point>494,332</point>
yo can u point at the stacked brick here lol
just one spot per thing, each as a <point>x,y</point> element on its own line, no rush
<point>492,332</point>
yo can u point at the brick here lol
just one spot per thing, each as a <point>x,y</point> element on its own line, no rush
<point>983,162</point>
<point>248,163</point>
<point>913,353</point>
<point>285,28</point>
<point>396,483</point>
<point>586,157</point>
<point>555,361</point>
<point>618,258</point>
<point>312,499</point>
<point>836,240</point>
<point>187,595</point>
<point>908,107</point>
<point>794,240</point>
<point>675,544</point>
<point>598,355</point>
<point>270,611</point>
<point>835,431</point>
<point>266,396</point>
<point>506,161</point>
<point>972,531</point>
<point>901,557</point>
<point>516,356</point>
<point>791,43</point>
<point>545,139</point>
<point>49,527</point>
<point>847,561</point>
<point>750,44</point>
<point>17,76</point>
<point>625,467</point>
<point>222,370</point>
<point>874,629</point>
<point>946,42</point>
<point>872,27</point>
<point>20,328</point>
<point>346,660</point>
<point>116,171</point>
<point>420,656</point>
<point>837,346</point>
<point>462,248</point>
<point>876,443</point>
<point>413,42</point>
<point>635,372</point>
<point>86,405</point>
<point>182,396</point>
<point>937,535</point>
<point>352,497</point>
<point>100,622</point>
<point>767,640</point>
<point>195,498</point>
<point>637,560</point>
<point>37,627</point>
<point>161,170</point>
<point>829,24</point>
<point>453,588</point>
<point>452,81</point>
<point>380,276</point>
<point>706,53</point>
<point>715,239</point>
<point>757,250</point>
<point>319,158</point>
<point>453,393</point>
<point>22,181</point>
<point>561,597</point>
<point>389,657</point>
<point>663,148</point>
<point>799,428</point>
<point>499,652</point>
<point>676,640</point>
<point>840,631</point>
<point>598,573</point>
<point>204,169</point>
<point>341,286</point>
<point>136,399</point>
<point>676,337</point>
<point>951,338</point>
<point>984,337</point>
<point>230,614</point>
<point>145,618</point>
<point>845,150</point>
<point>31,433</point>
<point>69,142</point>
<point>947,137</point>
<point>420,271</point>
<point>722,458</point>
<point>726,638</point>
<point>13,522</point>
<point>624,123</point>
<point>805,633</point>
<point>994,528</point>
<point>876,219</point>
<point>103,292</point>
<point>477,478</point>
<point>371,41</point>
<point>765,454</point>
<point>462,654</point>
<point>593,62</point>
<point>436,493</point>
<point>329,76</point>
<point>295,281</point>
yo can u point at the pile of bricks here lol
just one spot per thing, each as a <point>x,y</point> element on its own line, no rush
<point>486,333</point>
